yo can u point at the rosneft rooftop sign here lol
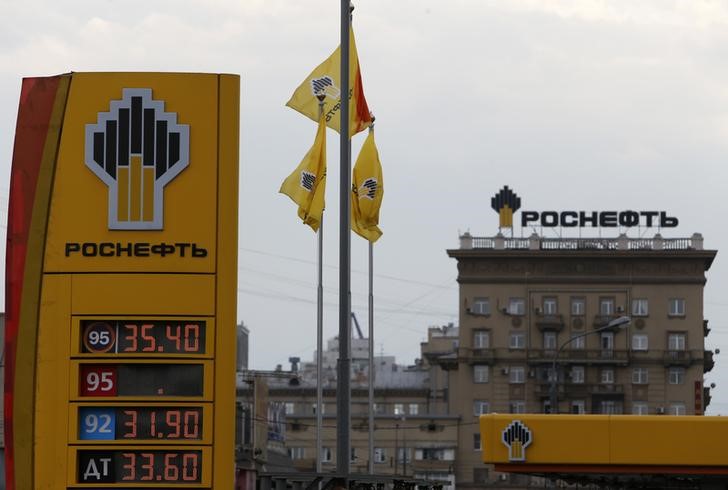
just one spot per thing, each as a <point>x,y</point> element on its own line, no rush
<point>506,202</point>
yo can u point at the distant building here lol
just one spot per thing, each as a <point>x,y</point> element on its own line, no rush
<point>241,358</point>
<point>414,435</point>
<point>525,303</point>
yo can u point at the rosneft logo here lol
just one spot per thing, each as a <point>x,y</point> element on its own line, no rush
<point>136,149</point>
<point>505,203</point>
<point>517,437</point>
<point>324,86</point>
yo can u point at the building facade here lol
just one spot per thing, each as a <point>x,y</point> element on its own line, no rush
<point>529,305</point>
<point>414,434</point>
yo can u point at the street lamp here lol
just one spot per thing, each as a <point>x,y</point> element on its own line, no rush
<point>620,322</point>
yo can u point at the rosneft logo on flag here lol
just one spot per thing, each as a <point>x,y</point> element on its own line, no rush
<point>516,436</point>
<point>505,203</point>
<point>325,86</point>
<point>136,149</point>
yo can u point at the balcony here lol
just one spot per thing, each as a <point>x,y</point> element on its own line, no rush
<point>677,358</point>
<point>606,389</point>
<point>489,356</point>
<point>579,356</point>
<point>564,390</point>
<point>708,362</point>
<point>535,242</point>
<point>553,322</point>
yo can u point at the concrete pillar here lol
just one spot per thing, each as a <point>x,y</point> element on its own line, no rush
<point>696,241</point>
<point>657,242</point>
<point>534,241</point>
<point>466,240</point>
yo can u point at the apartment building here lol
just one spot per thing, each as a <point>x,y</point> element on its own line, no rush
<point>414,434</point>
<point>529,305</point>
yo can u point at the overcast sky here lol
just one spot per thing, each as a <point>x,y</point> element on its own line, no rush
<point>576,104</point>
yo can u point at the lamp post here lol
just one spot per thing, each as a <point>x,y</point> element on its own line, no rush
<point>620,322</point>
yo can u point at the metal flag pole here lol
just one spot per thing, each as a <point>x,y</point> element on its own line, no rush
<point>343,381</point>
<point>371,358</point>
<point>319,327</point>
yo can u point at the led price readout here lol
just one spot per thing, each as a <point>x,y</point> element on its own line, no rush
<point>139,466</point>
<point>96,380</point>
<point>140,423</point>
<point>143,336</point>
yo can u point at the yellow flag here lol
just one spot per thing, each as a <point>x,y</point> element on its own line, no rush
<point>307,184</point>
<point>326,79</point>
<point>367,191</point>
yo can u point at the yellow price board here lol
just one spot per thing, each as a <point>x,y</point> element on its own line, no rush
<point>121,282</point>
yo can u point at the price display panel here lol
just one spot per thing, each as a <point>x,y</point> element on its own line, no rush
<point>142,379</point>
<point>168,423</point>
<point>178,466</point>
<point>148,337</point>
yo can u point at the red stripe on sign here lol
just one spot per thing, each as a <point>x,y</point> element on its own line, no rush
<point>37,99</point>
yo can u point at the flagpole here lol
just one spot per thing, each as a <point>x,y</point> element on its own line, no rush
<point>319,328</point>
<point>343,381</point>
<point>371,359</point>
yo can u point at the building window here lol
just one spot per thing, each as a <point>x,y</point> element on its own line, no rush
<point>352,454</point>
<point>290,408</point>
<point>549,340</point>
<point>481,306</point>
<point>434,454</point>
<point>481,339</point>
<point>639,408</point>
<point>517,306</point>
<point>404,455</point>
<point>676,341</point>
<point>414,408</point>
<point>639,307</point>
<point>326,454</point>
<point>639,342</point>
<point>578,407</point>
<point>676,375</point>
<point>297,452</point>
<point>607,340</point>
<point>517,406</point>
<point>380,408</point>
<point>399,408</point>
<point>380,455</point>
<point>640,376</point>
<point>480,373</point>
<point>517,374</point>
<point>480,475</point>
<point>313,408</point>
<point>476,441</point>
<point>677,409</point>
<point>676,307</point>
<point>517,340</point>
<point>577,374</point>
<point>480,407</point>
<point>578,306</point>
<point>550,306</point>
<point>578,342</point>
<point>607,376</point>
<point>608,407</point>
<point>606,306</point>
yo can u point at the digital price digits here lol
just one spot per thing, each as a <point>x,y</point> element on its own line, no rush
<point>139,336</point>
<point>140,423</point>
<point>172,466</point>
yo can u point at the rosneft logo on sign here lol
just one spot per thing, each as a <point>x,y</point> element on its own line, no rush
<point>505,203</point>
<point>136,149</point>
<point>517,437</point>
